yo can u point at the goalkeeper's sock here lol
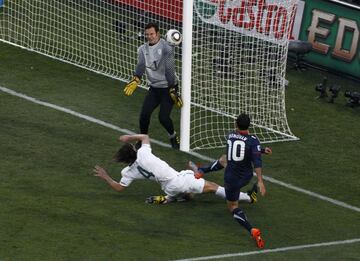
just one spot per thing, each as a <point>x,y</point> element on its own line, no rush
<point>211,167</point>
<point>240,217</point>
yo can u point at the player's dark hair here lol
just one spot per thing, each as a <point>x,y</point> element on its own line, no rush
<point>152,25</point>
<point>243,121</point>
<point>126,154</point>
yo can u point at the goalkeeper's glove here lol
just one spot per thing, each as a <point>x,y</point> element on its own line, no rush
<point>131,86</point>
<point>175,96</point>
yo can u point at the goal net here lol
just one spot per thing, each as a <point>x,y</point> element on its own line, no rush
<point>239,65</point>
<point>239,51</point>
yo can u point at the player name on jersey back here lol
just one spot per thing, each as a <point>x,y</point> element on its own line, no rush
<point>237,136</point>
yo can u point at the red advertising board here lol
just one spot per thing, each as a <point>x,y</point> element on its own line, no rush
<point>171,9</point>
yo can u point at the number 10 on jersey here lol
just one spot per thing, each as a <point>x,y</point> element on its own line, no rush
<point>236,150</point>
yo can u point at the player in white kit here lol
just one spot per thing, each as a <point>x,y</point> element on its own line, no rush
<point>145,165</point>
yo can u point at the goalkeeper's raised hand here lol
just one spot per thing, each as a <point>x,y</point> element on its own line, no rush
<point>131,86</point>
<point>175,96</point>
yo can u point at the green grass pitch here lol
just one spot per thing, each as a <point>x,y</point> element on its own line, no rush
<point>52,208</point>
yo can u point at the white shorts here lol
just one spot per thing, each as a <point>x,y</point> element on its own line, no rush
<point>185,182</point>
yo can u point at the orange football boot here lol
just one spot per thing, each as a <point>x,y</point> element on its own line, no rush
<point>256,235</point>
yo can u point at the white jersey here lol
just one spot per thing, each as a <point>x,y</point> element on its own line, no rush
<point>172,182</point>
<point>131,173</point>
<point>148,166</point>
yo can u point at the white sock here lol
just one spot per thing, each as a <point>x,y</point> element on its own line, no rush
<point>244,197</point>
<point>220,192</point>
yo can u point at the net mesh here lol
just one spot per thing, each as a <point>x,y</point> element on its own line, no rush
<point>96,34</point>
<point>238,57</point>
<point>239,63</point>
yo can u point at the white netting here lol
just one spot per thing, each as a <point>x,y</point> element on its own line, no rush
<point>101,35</point>
<point>233,69</point>
<point>239,62</point>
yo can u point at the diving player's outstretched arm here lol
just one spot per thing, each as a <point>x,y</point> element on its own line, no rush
<point>101,173</point>
<point>135,137</point>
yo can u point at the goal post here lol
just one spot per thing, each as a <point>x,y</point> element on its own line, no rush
<point>232,59</point>
<point>185,119</point>
<point>239,54</point>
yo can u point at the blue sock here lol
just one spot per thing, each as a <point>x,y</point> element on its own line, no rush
<point>240,217</point>
<point>214,166</point>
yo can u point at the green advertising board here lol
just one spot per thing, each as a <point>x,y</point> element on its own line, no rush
<point>333,29</point>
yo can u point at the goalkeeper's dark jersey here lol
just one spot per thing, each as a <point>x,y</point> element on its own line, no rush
<point>243,154</point>
<point>159,63</point>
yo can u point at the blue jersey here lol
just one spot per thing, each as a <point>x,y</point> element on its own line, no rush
<point>243,154</point>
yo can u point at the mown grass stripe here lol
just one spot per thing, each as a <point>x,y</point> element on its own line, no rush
<point>198,155</point>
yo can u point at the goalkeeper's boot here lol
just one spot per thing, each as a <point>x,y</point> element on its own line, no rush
<point>197,173</point>
<point>175,142</point>
<point>156,200</point>
<point>256,235</point>
<point>253,194</point>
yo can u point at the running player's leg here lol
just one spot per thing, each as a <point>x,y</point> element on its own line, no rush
<point>213,166</point>
<point>232,192</point>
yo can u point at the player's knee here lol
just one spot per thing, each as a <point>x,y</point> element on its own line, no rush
<point>223,160</point>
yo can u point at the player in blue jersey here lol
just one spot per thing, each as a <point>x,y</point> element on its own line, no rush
<point>218,164</point>
<point>221,163</point>
<point>243,157</point>
<point>156,60</point>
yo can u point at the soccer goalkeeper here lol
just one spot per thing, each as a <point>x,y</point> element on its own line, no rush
<point>156,59</point>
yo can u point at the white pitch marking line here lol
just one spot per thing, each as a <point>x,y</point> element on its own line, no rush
<point>195,154</point>
<point>274,250</point>
<point>312,194</point>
